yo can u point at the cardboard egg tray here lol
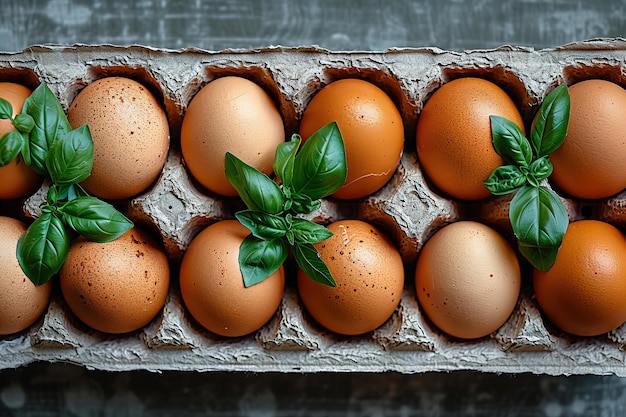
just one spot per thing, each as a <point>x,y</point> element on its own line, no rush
<point>408,208</point>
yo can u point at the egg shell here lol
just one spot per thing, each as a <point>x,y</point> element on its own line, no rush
<point>18,179</point>
<point>119,286</point>
<point>21,301</point>
<point>590,162</point>
<point>467,279</point>
<point>453,135</point>
<point>583,293</point>
<point>130,134</point>
<point>371,127</point>
<point>369,274</point>
<point>212,285</point>
<point>230,114</point>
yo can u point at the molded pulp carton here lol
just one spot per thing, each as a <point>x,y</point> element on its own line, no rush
<point>408,208</point>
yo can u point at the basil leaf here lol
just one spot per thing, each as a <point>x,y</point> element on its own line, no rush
<point>6,109</point>
<point>309,260</point>
<point>10,146</point>
<point>50,124</point>
<point>303,204</point>
<point>43,248</point>
<point>504,180</point>
<point>256,189</point>
<point>259,258</point>
<point>70,159</point>
<point>541,257</point>
<point>549,126</point>
<point>539,170</point>
<point>66,192</point>
<point>509,141</point>
<point>263,225</point>
<point>94,219</point>
<point>305,231</point>
<point>24,123</point>
<point>285,159</point>
<point>538,217</point>
<point>320,166</point>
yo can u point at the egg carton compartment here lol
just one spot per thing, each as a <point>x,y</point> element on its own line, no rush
<point>408,209</point>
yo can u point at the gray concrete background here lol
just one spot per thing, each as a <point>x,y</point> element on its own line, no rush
<point>63,389</point>
<point>343,24</point>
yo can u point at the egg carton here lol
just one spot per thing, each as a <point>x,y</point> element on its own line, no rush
<point>409,209</point>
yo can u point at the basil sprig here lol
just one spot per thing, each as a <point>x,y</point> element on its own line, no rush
<point>538,217</point>
<point>307,173</point>
<point>49,145</point>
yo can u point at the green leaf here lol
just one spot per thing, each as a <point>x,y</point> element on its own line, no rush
<point>6,109</point>
<point>43,248</point>
<point>305,231</point>
<point>263,225</point>
<point>505,179</point>
<point>24,123</point>
<point>509,141</point>
<point>302,203</point>
<point>285,159</point>
<point>549,126</point>
<point>541,257</point>
<point>50,124</point>
<point>94,219</point>
<point>10,146</point>
<point>539,170</point>
<point>70,159</point>
<point>68,192</point>
<point>538,218</point>
<point>320,166</point>
<point>256,189</point>
<point>309,260</point>
<point>259,258</point>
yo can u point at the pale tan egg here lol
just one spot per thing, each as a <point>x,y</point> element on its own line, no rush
<point>212,285</point>
<point>369,274</point>
<point>467,279</point>
<point>119,286</point>
<point>21,301</point>
<point>130,134</point>
<point>230,114</point>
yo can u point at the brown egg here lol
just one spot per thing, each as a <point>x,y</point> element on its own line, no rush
<point>230,114</point>
<point>371,127</point>
<point>369,274</point>
<point>18,179</point>
<point>130,135</point>
<point>21,301</point>
<point>467,279</point>
<point>453,135</point>
<point>590,162</point>
<point>116,287</point>
<point>212,286</point>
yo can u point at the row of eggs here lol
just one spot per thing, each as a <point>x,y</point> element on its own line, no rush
<point>234,114</point>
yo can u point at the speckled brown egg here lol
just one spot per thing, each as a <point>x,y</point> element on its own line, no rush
<point>18,179</point>
<point>212,286</point>
<point>21,301</point>
<point>119,286</point>
<point>230,114</point>
<point>369,274</point>
<point>467,279</point>
<point>130,135</point>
